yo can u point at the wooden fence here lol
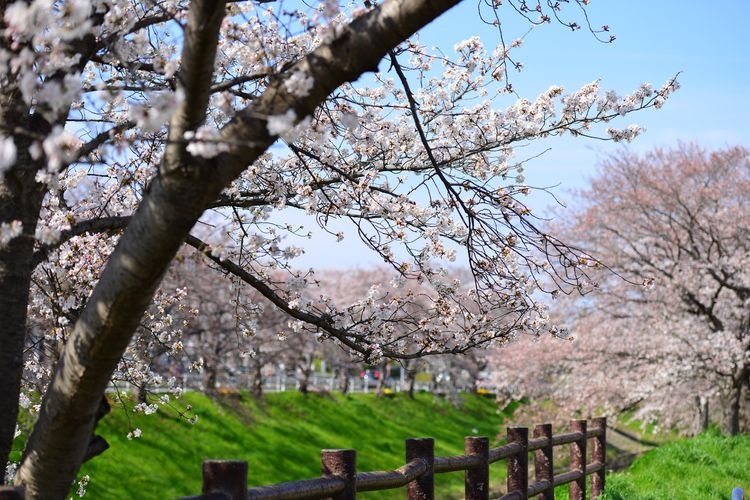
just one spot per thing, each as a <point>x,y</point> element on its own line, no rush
<point>227,479</point>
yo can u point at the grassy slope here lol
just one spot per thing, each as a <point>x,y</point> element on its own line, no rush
<point>165,462</point>
<point>708,466</point>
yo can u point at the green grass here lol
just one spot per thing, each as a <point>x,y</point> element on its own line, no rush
<point>281,438</point>
<point>708,466</point>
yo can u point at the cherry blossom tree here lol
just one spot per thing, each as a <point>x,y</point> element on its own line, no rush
<point>672,322</point>
<point>129,128</point>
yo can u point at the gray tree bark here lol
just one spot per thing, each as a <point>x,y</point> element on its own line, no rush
<point>731,425</point>
<point>700,425</point>
<point>732,404</point>
<point>210,378</point>
<point>257,387</point>
<point>20,200</point>
<point>59,440</point>
<point>411,378</point>
<point>305,370</point>
<point>15,281</point>
<point>380,387</point>
<point>170,207</point>
<point>342,374</point>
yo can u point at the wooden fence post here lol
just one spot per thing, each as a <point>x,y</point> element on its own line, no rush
<point>578,460</point>
<point>343,464</point>
<point>477,480</point>
<point>599,454</point>
<point>543,461</point>
<point>422,488</point>
<point>225,476</point>
<point>11,492</point>
<point>518,464</point>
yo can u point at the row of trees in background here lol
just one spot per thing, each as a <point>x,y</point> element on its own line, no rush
<point>669,325</point>
<point>230,329</point>
<point>667,328</point>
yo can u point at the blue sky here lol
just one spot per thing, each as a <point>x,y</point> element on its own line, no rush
<point>655,40</point>
<point>705,41</point>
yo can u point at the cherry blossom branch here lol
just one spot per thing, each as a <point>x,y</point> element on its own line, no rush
<point>322,321</point>
<point>89,226</point>
<point>174,202</point>
<point>239,80</point>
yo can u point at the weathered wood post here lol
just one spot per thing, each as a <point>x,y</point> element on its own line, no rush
<point>11,493</point>
<point>225,476</point>
<point>422,488</point>
<point>578,460</point>
<point>477,480</point>
<point>543,461</point>
<point>518,464</point>
<point>599,454</point>
<point>343,464</point>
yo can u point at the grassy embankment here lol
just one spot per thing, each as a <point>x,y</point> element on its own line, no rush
<point>706,467</point>
<point>165,462</point>
<point>281,438</point>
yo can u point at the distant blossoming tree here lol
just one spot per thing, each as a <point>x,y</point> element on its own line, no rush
<point>131,128</point>
<point>675,224</point>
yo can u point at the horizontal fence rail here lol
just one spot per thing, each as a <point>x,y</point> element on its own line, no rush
<point>227,479</point>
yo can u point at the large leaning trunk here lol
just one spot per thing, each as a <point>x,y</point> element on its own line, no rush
<point>174,201</point>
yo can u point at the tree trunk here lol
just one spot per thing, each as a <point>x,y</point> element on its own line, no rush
<point>745,410</point>
<point>20,200</point>
<point>141,393</point>
<point>731,425</point>
<point>304,381</point>
<point>380,387</point>
<point>15,279</point>
<point>258,381</point>
<point>474,381</point>
<point>172,203</point>
<point>411,379</point>
<point>209,381</point>
<point>342,374</point>
<point>434,383</point>
<point>700,424</point>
